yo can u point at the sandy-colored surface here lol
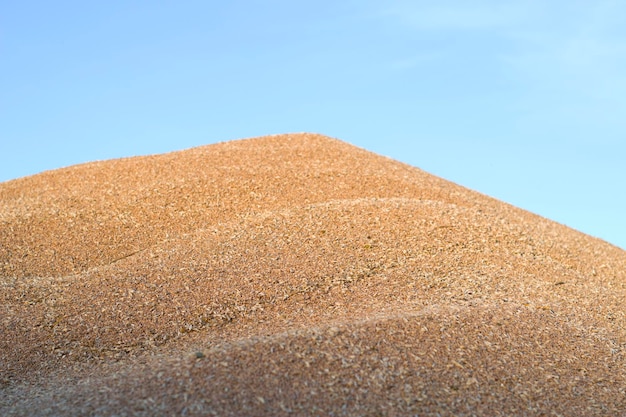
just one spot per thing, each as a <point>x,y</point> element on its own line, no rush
<point>297,275</point>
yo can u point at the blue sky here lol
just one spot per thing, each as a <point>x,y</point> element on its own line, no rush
<point>521,100</point>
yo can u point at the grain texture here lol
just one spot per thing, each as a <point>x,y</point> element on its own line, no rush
<point>297,275</point>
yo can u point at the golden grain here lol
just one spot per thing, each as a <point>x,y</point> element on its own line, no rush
<point>297,275</point>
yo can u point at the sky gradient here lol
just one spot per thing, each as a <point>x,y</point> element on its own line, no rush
<point>521,100</point>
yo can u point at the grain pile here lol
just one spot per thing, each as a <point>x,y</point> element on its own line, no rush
<point>297,275</point>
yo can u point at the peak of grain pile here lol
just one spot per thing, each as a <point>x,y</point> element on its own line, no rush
<point>297,275</point>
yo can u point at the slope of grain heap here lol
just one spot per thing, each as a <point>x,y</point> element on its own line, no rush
<point>297,275</point>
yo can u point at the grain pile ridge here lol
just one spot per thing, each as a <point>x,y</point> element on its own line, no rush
<point>297,275</point>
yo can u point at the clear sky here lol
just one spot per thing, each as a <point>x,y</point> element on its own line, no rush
<point>521,100</point>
